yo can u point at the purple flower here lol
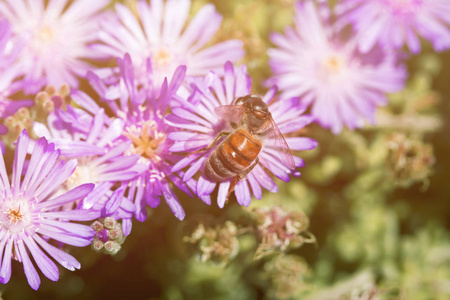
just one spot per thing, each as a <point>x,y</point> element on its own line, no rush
<point>396,22</point>
<point>30,212</point>
<point>343,86</point>
<point>89,140</point>
<point>161,35</point>
<point>198,125</point>
<point>57,35</point>
<point>143,115</point>
<point>9,74</point>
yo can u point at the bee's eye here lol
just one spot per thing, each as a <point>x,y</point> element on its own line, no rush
<point>259,114</point>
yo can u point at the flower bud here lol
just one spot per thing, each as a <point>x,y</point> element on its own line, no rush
<point>109,236</point>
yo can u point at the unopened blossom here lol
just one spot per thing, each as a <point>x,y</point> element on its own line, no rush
<point>197,125</point>
<point>145,131</point>
<point>109,236</point>
<point>161,33</point>
<point>49,99</point>
<point>394,23</point>
<point>44,102</point>
<point>343,86</point>
<point>31,215</point>
<point>101,161</point>
<point>57,35</point>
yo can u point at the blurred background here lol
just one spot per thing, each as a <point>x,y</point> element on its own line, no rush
<point>371,208</point>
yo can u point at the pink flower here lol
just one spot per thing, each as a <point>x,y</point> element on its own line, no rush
<point>30,212</point>
<point>57,37</point>
<point>396,22</point>
<point>342,85</point>
<point>162,35</point>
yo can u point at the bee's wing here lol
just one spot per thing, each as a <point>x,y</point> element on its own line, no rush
<point>230,113</point>
<point>274,138</point>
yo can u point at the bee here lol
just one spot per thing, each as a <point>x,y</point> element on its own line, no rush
<point>237,154</point>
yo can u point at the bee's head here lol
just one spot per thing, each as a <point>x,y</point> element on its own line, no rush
<point>256,113</point>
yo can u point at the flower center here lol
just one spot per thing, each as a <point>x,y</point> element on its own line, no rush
<point>46,34</point>
<point>333,69</point>
<point>42,40</point>
<point>334,63</point>
<point>146,139</point>
<point>161,58</point>
<point>15,215</point>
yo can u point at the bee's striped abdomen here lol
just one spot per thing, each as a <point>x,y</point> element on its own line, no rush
<point>236,153</point>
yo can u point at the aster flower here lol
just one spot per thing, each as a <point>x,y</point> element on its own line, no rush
<point>143,115</point>
<point>158,35</point>
<point>57,36</point>
<point>396,22</point>
<point>198,125</point>
<point>30,212</point>
<point>9,74</point>
<point>89,139</point>
<point>342,85</point>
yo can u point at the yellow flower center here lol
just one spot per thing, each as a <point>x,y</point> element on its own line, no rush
<point>333,69</point>
<point>44,38</point>
<point>146,140</point>
<point>161,58</point>
<point>46,34</point>
<point>14,215</point>
<point>334,63</point>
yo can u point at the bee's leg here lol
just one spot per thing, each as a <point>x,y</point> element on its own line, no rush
<point>241,176</point>
<point>232,186</point>
<point>214,142</point>
<point>217,139</point>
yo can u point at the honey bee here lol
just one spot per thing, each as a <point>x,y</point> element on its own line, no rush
<point>237,154</point>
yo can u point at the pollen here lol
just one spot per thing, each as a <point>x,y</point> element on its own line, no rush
<point>333,69</point>
<point>146,140</point>
<point>334,64</point>
<point>14,215</point>
<point>46,34</point>
<point>43,38</point>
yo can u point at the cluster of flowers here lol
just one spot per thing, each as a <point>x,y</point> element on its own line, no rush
<point>139,141</point>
